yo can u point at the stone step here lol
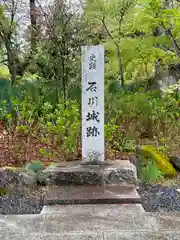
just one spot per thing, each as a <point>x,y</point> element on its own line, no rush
<point>108,209</point>
<point>96,225</point>
<point>91,194</point>
<point>120,172</point>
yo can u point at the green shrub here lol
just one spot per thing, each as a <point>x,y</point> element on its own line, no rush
<point>139,115</point>
<point>150,173</point>
<point>62,126</point>
<point>34,166</point>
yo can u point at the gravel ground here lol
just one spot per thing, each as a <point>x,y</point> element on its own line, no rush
<point>155,198</point>
<point>20,199</point>
<point>22,202</point>
<point>159,198</point>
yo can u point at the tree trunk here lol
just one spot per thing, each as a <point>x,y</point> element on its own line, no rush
<point>121,74</point>
<point>33,25</point>
<point>11,57</point>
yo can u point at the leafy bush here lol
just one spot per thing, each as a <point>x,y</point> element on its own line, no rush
<point>34,166</point>
<point>150,173</point>
<point>61,127</point>
<point>56,128</point>
<point>144,115</point>
<point>131,116</point>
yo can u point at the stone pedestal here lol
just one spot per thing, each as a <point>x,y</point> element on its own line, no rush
<point>94,194</point>
<point>110,172</point>
<point>110,182</point>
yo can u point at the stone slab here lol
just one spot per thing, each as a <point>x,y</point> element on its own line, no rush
<point>117,209</point>
<point>67,236</point>
<point>123,235</point>
<point>120,172</point>
<point>91,225</point>
<point>66,209</point>
<point>142,236</point>
<point>98,194</point>
<point>101,208</point>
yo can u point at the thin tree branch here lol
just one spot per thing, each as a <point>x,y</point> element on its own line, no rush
<point>121,74</point>
<point>108,32</point>
<point>3,61</point>
<point>177,48</point>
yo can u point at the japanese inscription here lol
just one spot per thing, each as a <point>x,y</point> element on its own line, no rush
<point>92,87</point>
<point>93,116</point>
<point>92,62</point>
<point>92,131</point>
<point>93,101</point>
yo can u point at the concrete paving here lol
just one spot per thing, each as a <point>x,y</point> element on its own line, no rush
<point>170,235</point>
<point>91,224</point>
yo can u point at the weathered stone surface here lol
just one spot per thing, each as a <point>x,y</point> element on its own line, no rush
<point>14,178</point>
<point>29,178</point>
<point>66,209</point>
<point>120,172</point>
<point>110,172</point>
<point>102,209</point>
<point>74,236</point>
<point>91,225</point>
<point>117,209</point>
<point>176,162</point>
<point>67,236</point>
<point>75,173</point>
<point>99,194</point>
<point>142,236</point>
<point>43,177</point>
<point>129,235</point>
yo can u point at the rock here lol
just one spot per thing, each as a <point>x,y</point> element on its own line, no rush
<point>43,177</point>
<point>175,160</point>
<point>29,179</point>
<point>14,178</point>
<point>110,172</point>
<point>9,177</point>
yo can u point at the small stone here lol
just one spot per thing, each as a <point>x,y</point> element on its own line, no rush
<point>17,178</point>
<point>43,177</point>
<point>175,160</point>
<point>29,179</point>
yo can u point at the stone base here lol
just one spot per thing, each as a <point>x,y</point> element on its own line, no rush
<point>109,209</point>
<point>119,172</point>
<point>107,194</point>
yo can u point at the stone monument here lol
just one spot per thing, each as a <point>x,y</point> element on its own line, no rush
<point>93,104</point>
<point>93,180</point>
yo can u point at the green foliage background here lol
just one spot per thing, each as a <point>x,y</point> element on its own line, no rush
<point>43,90</point>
